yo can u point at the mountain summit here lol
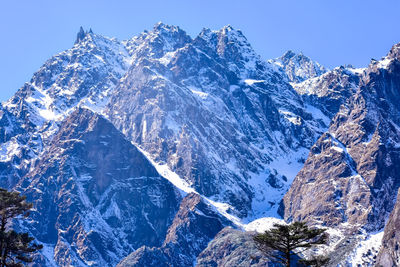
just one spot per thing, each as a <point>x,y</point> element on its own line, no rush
<point>299,67</point>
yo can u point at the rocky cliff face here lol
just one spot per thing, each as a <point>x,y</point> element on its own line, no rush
<point>350,175</point>
<point>389,253</point>
<point>194,226</point>
<point>96,197</point>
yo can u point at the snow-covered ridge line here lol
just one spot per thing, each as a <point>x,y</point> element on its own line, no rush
<point>185,189</point>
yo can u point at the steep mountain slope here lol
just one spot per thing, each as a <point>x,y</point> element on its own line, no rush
<point>227,122</point>
<point>351,177</point>
<point>96,197</point>
<point>11,135</point>
<point>389,253</point>
<point>84,75</point>
<point>194,226</point>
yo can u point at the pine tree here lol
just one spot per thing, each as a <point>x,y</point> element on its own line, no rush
<point>15,248</point>
<point>284,243</point>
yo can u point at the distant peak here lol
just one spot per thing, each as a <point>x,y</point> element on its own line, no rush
<point>298,66</point>
<point>82,34</point>
<point>159,26</point>
<point>229,29</point>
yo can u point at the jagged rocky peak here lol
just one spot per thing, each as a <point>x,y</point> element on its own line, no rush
<point>198,108</point>
<point>299,67</point>
<point>82,34</point>
<point>230,44</point>
<point>157,42</point>
<point>173,36</point>
<point>386,62</point>
<point>395,51</point>
<point>165,28</point>
<point>84,74</point>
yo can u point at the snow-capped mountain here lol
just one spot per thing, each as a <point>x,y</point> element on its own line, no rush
<point>211,110</point>
<point>299,67</point>
<point>140,152</point>
<point>84,75</point>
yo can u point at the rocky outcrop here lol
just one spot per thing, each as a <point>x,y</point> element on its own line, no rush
<point>9,126</point>
<point>96,197</point>
<point>195,224</point>
<point>146,256</point>
<point>17,147</point>
<point>389,255</point>
<point>232,248</point>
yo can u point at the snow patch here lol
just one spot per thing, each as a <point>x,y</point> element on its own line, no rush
<point>263,224</point>
<point>383,64</point>
<point>318,114</point>
<point>200,94</point>
<point>291,117</point>
<point>367,249</point>
<point>251,81</point>
<point>8,150</point>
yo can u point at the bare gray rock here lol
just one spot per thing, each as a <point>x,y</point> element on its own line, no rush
<point>389,255</point>
<point>232,248</point>
<point>96,197</point>
<point>194,226</point>
<point>350,174</point>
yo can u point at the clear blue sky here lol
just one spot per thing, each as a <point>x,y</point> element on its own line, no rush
<point>332,32</point>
